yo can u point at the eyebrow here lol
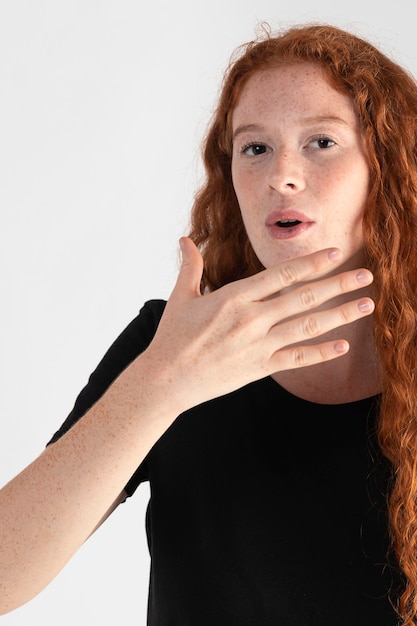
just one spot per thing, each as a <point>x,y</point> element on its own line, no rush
<point>333,119</point>
<point>316,119</point>
<point>247,128</point>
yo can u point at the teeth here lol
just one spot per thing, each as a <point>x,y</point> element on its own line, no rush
<point>288,222</point>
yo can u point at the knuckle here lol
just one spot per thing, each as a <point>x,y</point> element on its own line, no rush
<point>308,298</point>
<point>288,275</point>
<point>299,357</point>
<point>235,313</point>
<point>310,326</point>
<point>232,304</point>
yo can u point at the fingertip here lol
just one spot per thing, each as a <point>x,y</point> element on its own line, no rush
<point>364,277</point>
<point>182,244</point>
<point>341,347</point>
<point>366,305</point>
<point>186,246</point>
<point>334,254</point>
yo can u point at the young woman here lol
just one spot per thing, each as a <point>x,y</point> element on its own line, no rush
<point>272,413</point>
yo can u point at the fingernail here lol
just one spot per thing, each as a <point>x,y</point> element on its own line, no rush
<point>334,254</point>
<point>341,346</point>
<point>364,277</point>
<point>365,306</point>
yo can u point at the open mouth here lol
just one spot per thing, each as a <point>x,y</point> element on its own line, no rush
<point>287,223</point>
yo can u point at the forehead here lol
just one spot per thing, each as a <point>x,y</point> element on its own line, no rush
<point>294,90</point>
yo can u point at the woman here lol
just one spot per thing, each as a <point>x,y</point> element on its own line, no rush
<point>271,412</point>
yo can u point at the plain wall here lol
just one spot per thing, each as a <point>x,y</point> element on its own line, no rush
<point>103,105</point>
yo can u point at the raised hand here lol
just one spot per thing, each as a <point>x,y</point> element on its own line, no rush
<point>209,345</point>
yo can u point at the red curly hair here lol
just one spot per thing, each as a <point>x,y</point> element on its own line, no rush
<point>385,100</point>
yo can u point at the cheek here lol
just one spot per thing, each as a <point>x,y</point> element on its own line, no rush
<point>359,201</point>
<point>238,181</point>
<point>245,195</point>
<point>352,189</point>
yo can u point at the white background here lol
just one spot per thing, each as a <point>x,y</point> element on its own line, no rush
<point>103,104</point>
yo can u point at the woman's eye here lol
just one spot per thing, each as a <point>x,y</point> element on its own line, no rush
<point>254,149</point>
<point>322,143</point>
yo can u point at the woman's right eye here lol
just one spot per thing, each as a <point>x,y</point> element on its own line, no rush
<point>254,149</point>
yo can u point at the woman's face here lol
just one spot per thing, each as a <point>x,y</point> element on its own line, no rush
<point>299,166</point>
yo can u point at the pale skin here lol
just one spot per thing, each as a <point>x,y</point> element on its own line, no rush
<point>298,153</point>
<point>205,346</point>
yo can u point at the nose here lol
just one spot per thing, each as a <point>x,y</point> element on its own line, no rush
<point>286,173</point>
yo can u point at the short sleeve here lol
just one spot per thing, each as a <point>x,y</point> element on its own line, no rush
<point>131,342</point>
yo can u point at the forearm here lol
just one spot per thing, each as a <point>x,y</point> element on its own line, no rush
<point>52,506</point>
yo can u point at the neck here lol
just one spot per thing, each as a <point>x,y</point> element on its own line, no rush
<point>354,376</point>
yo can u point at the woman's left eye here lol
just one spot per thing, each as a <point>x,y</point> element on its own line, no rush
<point>322,143</point>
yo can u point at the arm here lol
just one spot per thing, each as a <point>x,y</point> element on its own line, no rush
<point>49,510</point>
<point>120,498</point>
<point>205,346</point>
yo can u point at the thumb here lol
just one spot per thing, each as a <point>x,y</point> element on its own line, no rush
<point>192,265</point>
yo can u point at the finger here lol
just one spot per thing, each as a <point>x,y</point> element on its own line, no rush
<point>317,323</point>
<point>312,295</point>
<point>274,279</point>
<point>303,356</point>
<point>191,270</point>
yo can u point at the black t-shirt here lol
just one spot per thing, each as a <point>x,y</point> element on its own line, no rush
<point>265,509</point>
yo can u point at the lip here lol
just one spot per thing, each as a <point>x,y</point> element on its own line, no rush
<point>288,232</point>
<point>287,214</point>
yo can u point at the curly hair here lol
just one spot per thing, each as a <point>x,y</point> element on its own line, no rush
<point>385,99</point>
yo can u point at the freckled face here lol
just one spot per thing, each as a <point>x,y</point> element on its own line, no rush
<point>299,166</point>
